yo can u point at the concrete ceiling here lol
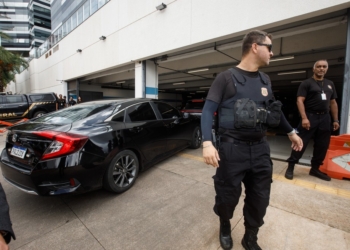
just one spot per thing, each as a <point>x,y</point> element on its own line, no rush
<point>305,42</point>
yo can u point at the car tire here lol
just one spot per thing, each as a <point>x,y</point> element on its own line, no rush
<point>196,138</point>
<point>122,172</point>
<point>38,114</point>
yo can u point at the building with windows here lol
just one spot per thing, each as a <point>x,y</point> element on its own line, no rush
<point>174,49</point>
<point>26,22</point>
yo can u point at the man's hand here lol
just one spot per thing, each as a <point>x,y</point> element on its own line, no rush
<point>210,154</point>
<point>3,245</point>
<point>335,126</point>
<point>305,123</point>
<point>297,142</point>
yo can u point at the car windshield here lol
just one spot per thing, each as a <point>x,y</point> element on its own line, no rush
<point>194,105</point>
<point>77,113</point>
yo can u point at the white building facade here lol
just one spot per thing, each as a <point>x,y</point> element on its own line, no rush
<point>132,49</point>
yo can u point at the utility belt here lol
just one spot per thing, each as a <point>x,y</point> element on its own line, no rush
<point>246,114</point>
<point>236,141</point>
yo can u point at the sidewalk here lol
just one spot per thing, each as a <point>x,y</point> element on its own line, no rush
<point>170,207</point>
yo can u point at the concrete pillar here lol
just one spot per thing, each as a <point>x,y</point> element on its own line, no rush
<point>344,115</point>
<point>146,80</point>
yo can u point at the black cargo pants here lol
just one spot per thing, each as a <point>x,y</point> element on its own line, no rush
<point>320,131</point>
<point>250,164</point>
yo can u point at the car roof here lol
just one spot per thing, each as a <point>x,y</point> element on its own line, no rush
<point>118,101</point>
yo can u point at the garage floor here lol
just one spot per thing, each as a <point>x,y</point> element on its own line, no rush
<point>170,207</point>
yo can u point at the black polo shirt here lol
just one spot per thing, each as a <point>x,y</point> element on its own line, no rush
<point>312,90</point>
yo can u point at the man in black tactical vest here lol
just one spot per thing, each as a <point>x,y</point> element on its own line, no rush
<point>246,108</point>
<point>315,98</point>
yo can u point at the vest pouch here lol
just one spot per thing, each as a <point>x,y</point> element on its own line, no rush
<point>274,112</point>
<point>245,113</point>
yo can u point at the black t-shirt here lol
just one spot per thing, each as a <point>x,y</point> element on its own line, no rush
<point>61,103</point>
<point>71,103</point>
<point>312,90</point>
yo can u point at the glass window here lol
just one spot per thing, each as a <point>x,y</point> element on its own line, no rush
<point>68,26</point>
<point>96,113</point>
<point>167,111</point>
<point>119,117</point>
<point>93,6</point>
<point>14,99</point>
<point>64,30</point>
<point>86,8</point>
<point>74,20</point>
<point>80,15</point>
<point>42,97</point>
<point>101,3</point>
<point>140,112</point>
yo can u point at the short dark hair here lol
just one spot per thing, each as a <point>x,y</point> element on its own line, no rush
<point>254,36</point>
<point>325,60</point>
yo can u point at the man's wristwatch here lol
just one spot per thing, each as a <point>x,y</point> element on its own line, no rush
<point>291,132</point>
<point>336,121</point>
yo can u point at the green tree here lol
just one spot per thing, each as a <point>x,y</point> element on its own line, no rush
<point>10,65</point>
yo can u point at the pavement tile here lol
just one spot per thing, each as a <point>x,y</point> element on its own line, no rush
<point>73,235</point>
<point>163,211</point>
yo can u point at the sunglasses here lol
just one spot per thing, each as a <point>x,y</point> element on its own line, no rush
<point>269,46</point>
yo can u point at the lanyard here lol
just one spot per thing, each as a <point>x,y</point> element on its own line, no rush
<point>320,86</point>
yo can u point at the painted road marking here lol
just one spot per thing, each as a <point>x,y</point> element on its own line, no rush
<point>301,183</point>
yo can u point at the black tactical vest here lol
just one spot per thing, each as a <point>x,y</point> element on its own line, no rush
<point>256,89</point>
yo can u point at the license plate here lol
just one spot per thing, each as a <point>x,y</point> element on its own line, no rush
<point>18,151</point>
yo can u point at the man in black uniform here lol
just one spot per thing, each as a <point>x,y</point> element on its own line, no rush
<point>61,103</point>
<point>315,97</point>
<point>244,154</point>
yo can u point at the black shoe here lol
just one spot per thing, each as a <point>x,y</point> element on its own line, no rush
<point>225,234</point>
<point>250,239</point>
<point>289,172</point>
<point>317,173</point>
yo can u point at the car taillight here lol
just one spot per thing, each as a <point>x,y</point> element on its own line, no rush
<point>215,113</point>
<point>62,144</point>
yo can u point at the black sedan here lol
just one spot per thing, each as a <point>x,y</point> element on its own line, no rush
<point>95,144</point>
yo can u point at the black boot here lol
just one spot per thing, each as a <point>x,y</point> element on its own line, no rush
<point>250,238</point>
<point>225,234</point>
<point>317,173</point>
<point>289,172</point>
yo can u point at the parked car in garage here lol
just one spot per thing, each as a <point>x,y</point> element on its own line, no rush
<point>95,144</point>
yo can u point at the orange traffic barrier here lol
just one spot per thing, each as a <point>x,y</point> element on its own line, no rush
<point>8,124</point>
<point>337,161</point>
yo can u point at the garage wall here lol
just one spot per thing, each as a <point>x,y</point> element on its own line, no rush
<point>135,30</point>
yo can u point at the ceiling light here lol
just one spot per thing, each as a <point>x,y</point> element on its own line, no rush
<point>162,6</point>
<point>179,89</point>
<point>291,72</point>
<point>197,70</point>
<point>120,82</point>
<point>200,91</point>
<point>204,87</point>
<point>102,38</point>
<point>178,83</point>
<point>282,58</point>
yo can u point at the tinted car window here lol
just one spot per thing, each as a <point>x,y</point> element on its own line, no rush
<point>140,112</point>
<point>118,117</point>
<point>14,99</point>
<point>96,112</point>
<point>167,111</point>
<point>43,97</point>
